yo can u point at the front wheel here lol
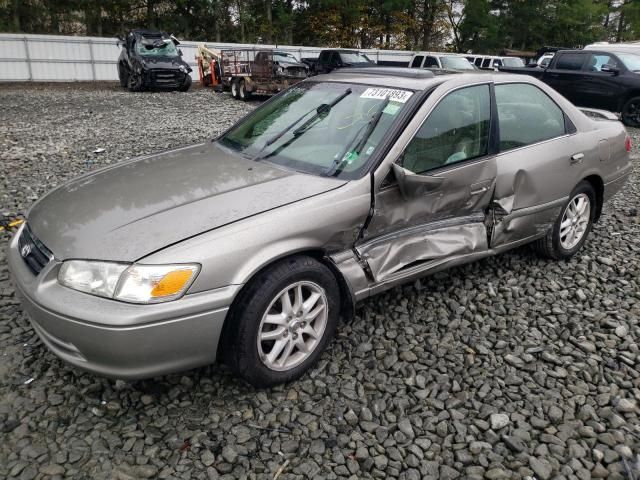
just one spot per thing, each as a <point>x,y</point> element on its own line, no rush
<point>631,113</point>
<point>135,82</point>
<point>282,322</point>
<point>186,84</point>
<point>572,227</point>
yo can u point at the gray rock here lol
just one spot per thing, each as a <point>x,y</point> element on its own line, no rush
<point>499,420</point>
<point>230,454</point>
<point>541,467</point>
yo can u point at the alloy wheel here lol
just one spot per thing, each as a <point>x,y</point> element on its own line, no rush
<point>575,221</point>
<point>292,326</point>
<point>632,113</point>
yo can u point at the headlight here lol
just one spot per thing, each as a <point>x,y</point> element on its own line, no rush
<point>129,283</point>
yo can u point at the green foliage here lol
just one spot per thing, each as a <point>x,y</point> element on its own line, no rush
<point>460,25</point>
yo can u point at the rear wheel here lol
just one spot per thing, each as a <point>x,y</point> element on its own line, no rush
<point>631,113</point>
<point>282,322</point>
<point>243,94</point>
<point>572,227</point>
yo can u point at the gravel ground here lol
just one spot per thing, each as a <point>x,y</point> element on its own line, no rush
<point>511,367</point>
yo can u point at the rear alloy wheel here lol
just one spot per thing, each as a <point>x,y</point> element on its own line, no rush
<point>234,89</point>
<point>282,322</point>
<point>572,227</point>
<point>631,113</point>
<point>243,94</point>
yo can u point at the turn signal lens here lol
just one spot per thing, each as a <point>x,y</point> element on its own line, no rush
<point>627,143</point>
<point>171,283</point>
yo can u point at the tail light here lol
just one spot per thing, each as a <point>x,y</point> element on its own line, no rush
<point>627,143</point>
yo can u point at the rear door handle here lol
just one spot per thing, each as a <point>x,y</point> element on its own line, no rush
<point>577,158</point>
<point>479,191</point>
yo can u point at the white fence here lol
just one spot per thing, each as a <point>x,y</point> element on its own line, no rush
<point>45,58</point>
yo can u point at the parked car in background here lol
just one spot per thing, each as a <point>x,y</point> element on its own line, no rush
<point>445,61</point>
<point>489,62</point>
<point>602,79</point>
<point>252,246</point>
<point>151,59</point>
<point>330,59</point>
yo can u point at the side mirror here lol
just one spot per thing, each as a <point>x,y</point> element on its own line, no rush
<point>180,52</point>
<point>610,69</point>
<point>412,184</point>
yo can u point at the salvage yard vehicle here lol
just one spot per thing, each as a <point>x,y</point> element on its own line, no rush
<point>150,59</point>
<point>333,58</point>
<point>447,61</point>
<point>248,71</point>
<point>489,62</point>
<point>606,79</point>
<point>250,247</point>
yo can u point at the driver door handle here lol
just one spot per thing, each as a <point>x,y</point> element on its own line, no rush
<point>479,191</point>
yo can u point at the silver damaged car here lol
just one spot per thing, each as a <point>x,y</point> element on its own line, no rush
<point>251,247</point>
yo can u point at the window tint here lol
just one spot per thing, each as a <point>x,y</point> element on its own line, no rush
<point>526,115</point>
<point>478,61</point>
<point>417,61</point>
<point>570,61</point>
<point>456,130</point>
<point>431,62</point>
<point>598,60</point>
<point>497,62</point>
<point>486,63</point>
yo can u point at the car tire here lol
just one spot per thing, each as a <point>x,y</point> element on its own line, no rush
<point>564,239</point>
<point>631,113</point>
<point>186,85</point>
<point>243,94</point>
<point>287,348</point>
<point>135,82</point>
<point>234,89</point>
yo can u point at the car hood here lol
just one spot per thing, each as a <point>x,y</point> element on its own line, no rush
<point>132,209</point>
<point>290,64</point>
<point>163,62</point>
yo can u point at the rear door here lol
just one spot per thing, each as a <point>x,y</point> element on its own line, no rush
<point>565,72</point>
<point>452,149</point>
<point>539,162</point>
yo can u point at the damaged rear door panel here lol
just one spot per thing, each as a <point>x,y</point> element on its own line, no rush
<point>431,208</point>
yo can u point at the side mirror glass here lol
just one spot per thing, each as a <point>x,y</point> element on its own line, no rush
<point>609,69</point>
<point>413,184</point>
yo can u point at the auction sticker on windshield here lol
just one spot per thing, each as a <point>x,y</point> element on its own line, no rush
<point>395,95</point>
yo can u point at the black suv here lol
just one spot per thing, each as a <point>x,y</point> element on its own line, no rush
<point>332,59</point>
<point>151,59</point>
<point>607,78</point>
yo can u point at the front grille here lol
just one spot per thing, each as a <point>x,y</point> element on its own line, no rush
<point>166,78</point>
<point>296,72</point>
<point>33,251</point>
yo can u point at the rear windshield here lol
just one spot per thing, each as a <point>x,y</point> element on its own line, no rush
<point>512,62</point>
<point>630,60</point>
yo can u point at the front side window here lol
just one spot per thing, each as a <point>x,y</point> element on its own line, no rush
<point>597,61</point>
<point>526,115</point>
<point>570,61</point>
<point>417,61</point>
<point>322,128</point>
<point>431,62</point>
<point>456,130</point>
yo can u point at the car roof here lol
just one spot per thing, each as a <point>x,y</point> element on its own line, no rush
<point>416,79</point>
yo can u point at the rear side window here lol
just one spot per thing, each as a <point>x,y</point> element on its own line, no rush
<point>570,61</point>
<point>456,130</point>
<point>597,61</point>
<point>478,61</point>
<point>486,63</point>
<point>526,115</point>
<point>417,61</point>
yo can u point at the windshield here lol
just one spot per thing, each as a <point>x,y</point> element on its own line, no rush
<point>284,57</point>
<point>320,128</point>
<point>631,61</point>
<point>456,63</point>
<point>512,62</point>
<point>157,48</point>
<point>354,58</point>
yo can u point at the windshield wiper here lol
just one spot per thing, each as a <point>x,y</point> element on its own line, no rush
<point>348,155</point>
<point>321,110</point>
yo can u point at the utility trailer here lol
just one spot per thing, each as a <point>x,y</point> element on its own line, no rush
<point>247,71</point>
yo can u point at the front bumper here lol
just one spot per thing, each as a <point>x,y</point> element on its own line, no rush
<point>117,339</point>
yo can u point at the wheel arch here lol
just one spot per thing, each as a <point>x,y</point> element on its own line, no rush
<point>598,186</point>
<point>347,301</point>
<point>632,94</point>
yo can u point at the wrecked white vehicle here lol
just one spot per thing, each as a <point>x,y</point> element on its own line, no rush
<point>250,248</point>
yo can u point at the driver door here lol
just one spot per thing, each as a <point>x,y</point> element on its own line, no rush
<point>432,207</point>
